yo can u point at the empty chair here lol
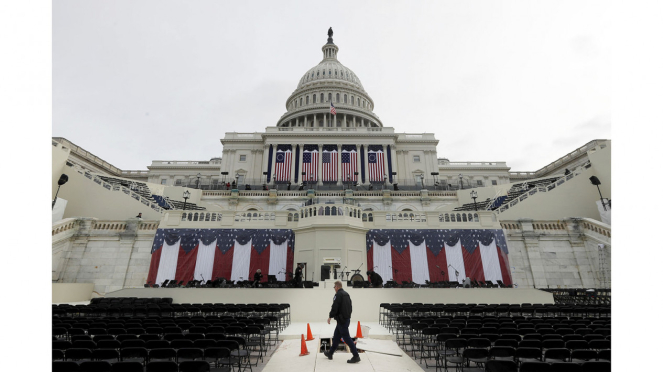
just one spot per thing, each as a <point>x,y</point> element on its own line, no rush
<point>596,366</point>
<point>476,355</point>
<point>62,345</point>
<point>599,344</point>
<point>204,343</point>
<point>161,366</point>
<point>535,367</point>
<point>604,355</point>
<point>173,336</point>
<point>189,354</point>
<point>555,355</point>
<point>57,354</point>
<point>577,345</point>
<point>220,356</point>
<point>95,366</point>
<point>501,366</point>
<point>134,354</point>
<point>78,354</point>
<point>110,355</point>
<point>127,367</point>
<point>157,344</point>
<point>583,355</point>
<point>552,344</point>
<point>133,343</point>
<point>65,367</point>
<point>194,366</point>
<point>565,367</point>
<point>149,337</point>
<point>502,353</point>
<point>162,354</point>
<point>84,344</point>
<point>506,342</point>
<point>181,343</point>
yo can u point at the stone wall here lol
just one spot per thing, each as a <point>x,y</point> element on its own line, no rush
<point>110,254</point>
<point>116,254</point>
<point>558,254</point>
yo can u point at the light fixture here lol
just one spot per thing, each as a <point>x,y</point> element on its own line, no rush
<point>186,195</point>
<point>63,179</point>
<point>474,195</point>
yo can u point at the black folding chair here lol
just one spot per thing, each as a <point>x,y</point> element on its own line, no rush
<point>95,366</point>
<point>127,367</point>
<point>535,367</point>
<point>161,366</point>
<point>194,366</point>
<point>598,366</point>
<point>501,366</point>
<point>65,367</point>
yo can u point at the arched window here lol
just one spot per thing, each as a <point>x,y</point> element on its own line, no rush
<point>323,73</point>
<point>333,211</point>
<point>453,217</point>
<point>329,97</point>
<point>458,217</point>
<point>322,97</point>
<point>327,211</point>
<point>195,217</point>
<point>464,217</point>
<point>345,98</point>
<point>183,216</point>
<point>338,97</point>
<point>315,97</point>
<point>318,73</point>
<point>289,217</point>
<point>296,216</point>
<point>364,217</point>
<point>305,213</point>
<point>446,217</point>
<point>300,101</point>
<point>469,217</point>
<point>370,217</point>
<point>213,217</point>
<point>352,100</point>
<point>307,100</point>
<point>335,72</point>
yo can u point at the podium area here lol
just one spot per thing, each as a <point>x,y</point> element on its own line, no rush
<point>313,304</point>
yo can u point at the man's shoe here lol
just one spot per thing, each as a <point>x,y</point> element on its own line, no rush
<point>355,359</point>
<point>328,355</point>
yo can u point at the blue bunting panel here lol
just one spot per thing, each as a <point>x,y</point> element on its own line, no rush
<point>435,239</point>
<point>225,238</point>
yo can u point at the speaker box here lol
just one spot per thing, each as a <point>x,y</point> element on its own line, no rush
<point>308,284</point>
<point>325,271</point>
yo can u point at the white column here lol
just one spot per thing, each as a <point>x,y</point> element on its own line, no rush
<point>339,176</point>
<point>366,178</point>
<point>292,163</point>
<point>272,165</point>
<point>320,165</point>
<point>300,161</point>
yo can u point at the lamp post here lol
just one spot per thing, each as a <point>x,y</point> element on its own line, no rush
<point>198,180</point>
<point>186,195</point>
<point>435,174</point>
<point>224,174</point>
<point>595,181</point>
<point>474,195</point>
<point>385,182</point>
<point>63,179</point>
<point>237,180</point>
<point>460,176</point>
<point>394,182</point>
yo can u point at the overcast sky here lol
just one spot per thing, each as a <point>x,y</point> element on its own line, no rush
<point>518,81</point>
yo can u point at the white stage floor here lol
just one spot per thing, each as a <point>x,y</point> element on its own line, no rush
<point>286,359</point>
<point>324,330</point>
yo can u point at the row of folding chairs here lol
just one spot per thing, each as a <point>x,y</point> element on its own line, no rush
<point>228,353</point>
<point>460,353</point>
<point>160,366</point>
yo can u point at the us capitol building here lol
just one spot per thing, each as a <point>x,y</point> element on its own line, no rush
<point>330,171</point>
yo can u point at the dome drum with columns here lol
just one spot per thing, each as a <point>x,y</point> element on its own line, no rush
<point>327,82</point>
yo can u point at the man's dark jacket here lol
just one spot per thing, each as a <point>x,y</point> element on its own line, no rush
<point>342,307</point>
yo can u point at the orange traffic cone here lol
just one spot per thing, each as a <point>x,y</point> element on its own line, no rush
<point>359,335</point>
<point>309,336</point>
<point>304,348</point>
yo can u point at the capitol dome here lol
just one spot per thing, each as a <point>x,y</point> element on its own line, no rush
<point>327,83</point>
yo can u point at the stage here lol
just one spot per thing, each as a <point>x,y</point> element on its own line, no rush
<point>313,304</point>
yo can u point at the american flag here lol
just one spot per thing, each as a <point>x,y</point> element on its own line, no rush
<point>349,163</point>
<point>283,162</point>
<point>375,165</point>
<point>329,164</point>
<point>332,109</point>
<point>310,163</point>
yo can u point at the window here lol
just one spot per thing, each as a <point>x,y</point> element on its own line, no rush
<point>240,180</point>
<point>493,182</point>
<point>338,97</point>
<point>329,97</point>
<point>479,183</point>
<point>301,101</point>
<point>322,97</point>
<point>345,98</point>
<point>315,98</point>
<point>323,72</point>
<point>352,100</point>
<point>178,182</point>
<point>307,100</point>
<point>242,158</point>
<point>416,159</point>
<point>163,181</point>
<point>318,73</point>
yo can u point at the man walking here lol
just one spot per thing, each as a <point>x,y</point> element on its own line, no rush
<point>341,311</point>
